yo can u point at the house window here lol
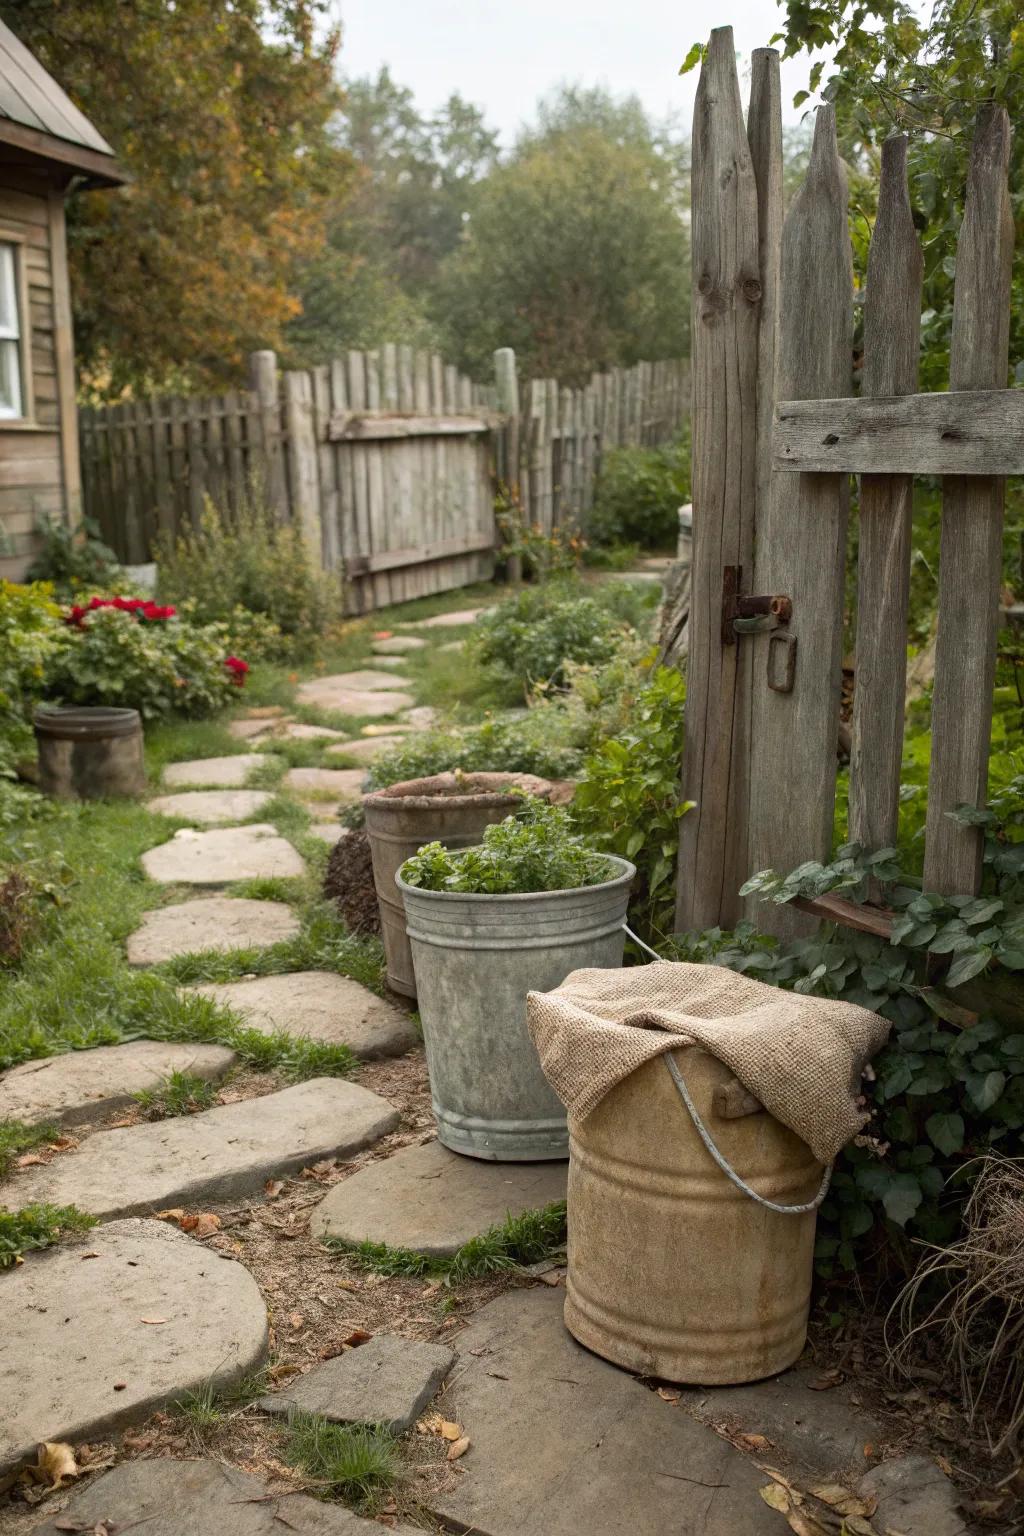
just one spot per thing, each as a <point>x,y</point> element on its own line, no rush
<point>12,393</point>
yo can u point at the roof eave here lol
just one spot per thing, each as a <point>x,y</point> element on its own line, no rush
<point>100,170</point>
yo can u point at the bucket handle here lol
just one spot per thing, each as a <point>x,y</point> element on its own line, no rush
<point>706,1138</point>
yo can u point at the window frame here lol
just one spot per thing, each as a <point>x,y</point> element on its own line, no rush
<point>26,422</point>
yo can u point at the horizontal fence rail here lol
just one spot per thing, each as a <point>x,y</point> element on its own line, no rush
<point>388,460</point>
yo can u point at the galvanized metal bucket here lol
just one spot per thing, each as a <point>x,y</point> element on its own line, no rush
<point>89,752</point>
<point>476,958</point>
<point>446,808</point>
<point>675,1271</point>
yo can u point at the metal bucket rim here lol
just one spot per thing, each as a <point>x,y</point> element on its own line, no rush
<point>625,878</point>
<point>396,797</point>
<point>70,720</point>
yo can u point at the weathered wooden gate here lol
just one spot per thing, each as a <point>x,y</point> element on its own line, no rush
<point>777,435</point>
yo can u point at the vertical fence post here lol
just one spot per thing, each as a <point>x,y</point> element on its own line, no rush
<point>303,468</point>
<point>970,551</point>
<point>263,383</point>
<point>801,546</point>
<point>726,292</point>
<point>506,384</point>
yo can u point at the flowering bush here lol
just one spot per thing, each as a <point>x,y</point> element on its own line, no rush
<point>543,554</point>
<point>132,652</point>
<point>30,634</point>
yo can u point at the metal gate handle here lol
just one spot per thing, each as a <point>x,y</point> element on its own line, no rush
<point>705,1134</point>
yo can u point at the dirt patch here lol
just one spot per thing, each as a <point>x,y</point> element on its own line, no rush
<point>349,883</point>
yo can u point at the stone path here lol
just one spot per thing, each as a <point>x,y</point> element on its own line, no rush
<point>99,1331</point>
<point>395,645</point>
<point>319,1005</point>
<point>223,856</point>
<point>385,1381</point>
<point>211,924</point>
<point>327,693</point>
<point>364,681</point>
<point>345,783</point>
<point>215,772</point>
<point>297,731</point>
<point>564,1443</point>
<point>208,807</point>
<point>365,749</point>
<point>220,1154</point>
<point>452,620</point>
<point>83,1085</point>
<point>166,1497</point>
<point>433,1201</point>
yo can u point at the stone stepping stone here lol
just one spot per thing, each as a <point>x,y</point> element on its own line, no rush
<point>394,645</point>
<point>619,1449</point>
<point>318,1005</point>
<point>433,1201</point>
<point>913,1494</point>
<point>393,728</point>
<point>326,693</point>
<point>226,854</point>
<point>215,772</point>
<point>385,1381</point>
<point>345,783</point>
<point>299,731</point>
<point>209,806</point>
<point>248,730</point>
<point>366,749</point>
<point>98,1333</point>
<point>328,832</point>
<point>445,620</point>
<point>83,1085</point>
<point>422,718</point>
<point>219,1154</point>
<point>363,681</point>
<point>165,1497</point>
<point>212,924</point>
<point>392,663</point>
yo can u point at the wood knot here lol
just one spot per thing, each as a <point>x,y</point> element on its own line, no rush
<point>829,440</point>
<point>705,284</point>
<point>751,290</point>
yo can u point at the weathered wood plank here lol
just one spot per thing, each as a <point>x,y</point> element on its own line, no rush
<point>971,432</point>
<point>439,549</point>
<point>764,131</point>
<point>801,544</point>
<point>726,290</point>
<point>892,326</point>
<point>970,550</point>
<point>349,426</point>
<point>263,382</point>
<point>303,468</point>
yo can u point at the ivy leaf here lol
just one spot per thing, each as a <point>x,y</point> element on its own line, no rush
<point>967,964</point>
<point>946,1131</point>
<point>984,1088</point>
<point>902,1198</point>
<point>692,59</point>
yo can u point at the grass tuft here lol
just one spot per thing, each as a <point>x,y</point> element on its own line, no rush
<point>17,1136</point>
<point>355,1462</point>
<point>182,1093</point>
<point>519,1240</point>
<point>37,1226</point>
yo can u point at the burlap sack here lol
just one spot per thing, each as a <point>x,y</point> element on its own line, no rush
<point>802,1057</point>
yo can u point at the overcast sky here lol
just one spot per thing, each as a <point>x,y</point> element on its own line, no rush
<point>504,56</point>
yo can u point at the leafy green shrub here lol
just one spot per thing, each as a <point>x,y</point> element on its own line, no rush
<point>74,560</point>
<point>628,799</point>
<point>638,496</point>
<point>542,554</point>
<point>30,636</point>
<point>535,850</point>
<point>37,1226</point>
<point>162,667</point>
<point>530,637</point>
<point>543,741</point>
<point>248,559</point>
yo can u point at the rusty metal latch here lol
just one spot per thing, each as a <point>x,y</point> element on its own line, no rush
<point>745,613</point>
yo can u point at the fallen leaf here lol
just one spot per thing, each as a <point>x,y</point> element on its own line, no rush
<point>56,1461</point>
<point>826,1382</point>
<point>347,1285</point>
<point>390,1508</point>
<point>754,1442</point>
<point>430,1424</point>
<point>153,1321</point>
<point>855,1525</point>
<point>356,1337</point>
<point>869,1449</point>
<point>458,1448</point>
<point>188,1223</point>
<point>296,1320</point>
<point>84,1256</point>
<point>29,1160</point>
<point>172,1215</point>
<point>206,1224</point>
<point>842,1500</point>
<point>283,1369</point>
<point>451,1431</point>
<point>667,1396</point>
<point>944,1466</point>
<point>272,1188</point>
<point>776,1497</point>
<point>803,1524</point>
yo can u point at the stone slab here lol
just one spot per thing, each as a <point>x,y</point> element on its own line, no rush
<point>249,730</point>
<point>364,680</point>
<point>392,663</point>
<point>328,832</point>
<point>83,1085</point>
<point>219,857</point>
<point>299,731</point>
<point>215,772</point>
<point>433,1201</point>
<point>212,924</point>
<point>345,783</point>
<point>166,1497</point>
<point>219,1154</point>
<point>366,748</point>
<point>207,807</point>
<point>445,620</point>
<point>328,693</point>
<point>422,718</point>
<point>75,1328</point>
<point>394,645</point>
<point>615,1459</point>
<point>393,728</point>
<point>318,1005</point>
<point>915,1497</point>
<point>385,1381</point>
<point>822,1431</point>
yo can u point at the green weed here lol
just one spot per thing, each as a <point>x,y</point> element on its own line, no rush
<point>518,1241</point>
<point>37,1226</point>
<point>17,1137</point>
<point>182,1093</point>
<point>356,1462</point>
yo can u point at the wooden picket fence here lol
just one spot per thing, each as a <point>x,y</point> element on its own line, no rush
<point>388,460</point>
<point>777,435</point>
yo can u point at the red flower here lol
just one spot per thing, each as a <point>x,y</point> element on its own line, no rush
<point>238,669</point>
<point>141,607</point>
